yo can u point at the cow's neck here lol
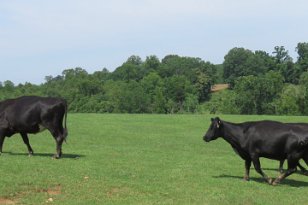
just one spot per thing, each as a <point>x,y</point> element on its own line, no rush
<point>233,133</point>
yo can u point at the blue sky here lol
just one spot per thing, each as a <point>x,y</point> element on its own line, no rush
<point>41,38</point>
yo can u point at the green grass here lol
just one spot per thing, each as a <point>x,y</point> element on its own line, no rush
<point>140,159</point>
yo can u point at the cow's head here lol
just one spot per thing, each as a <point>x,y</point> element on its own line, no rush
<point>214,131</point>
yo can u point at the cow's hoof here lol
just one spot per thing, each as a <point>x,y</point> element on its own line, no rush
<point>30,153</point>
<point>275,182</point>
<point>56,156</point>
<point>246,179</point>
<point>270,181</point>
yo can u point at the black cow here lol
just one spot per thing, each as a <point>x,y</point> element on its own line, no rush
<point>269,139</point>
<point>303,126</point>
<point>32,114</point>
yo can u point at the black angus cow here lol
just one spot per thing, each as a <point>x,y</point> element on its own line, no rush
<point>32,114</point>
<point>303,126</point>
<point>269,139</point>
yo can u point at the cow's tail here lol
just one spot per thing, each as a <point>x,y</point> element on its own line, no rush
<point>65,132</point>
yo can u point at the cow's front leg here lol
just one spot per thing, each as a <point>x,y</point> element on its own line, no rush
<point>257,165</point>
<point>26,141</point>
<point>1,142</point>
<point>247,169</point>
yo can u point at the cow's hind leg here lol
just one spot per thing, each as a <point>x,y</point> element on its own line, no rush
<point>281,166</point>
<point>257,165</point>
<point>305,158</point>
<point>56,133</point>
<point>59,140</point>
<point>26,141</point>
<point>247,169</point>
<point>291,169</point>
<point>303,170</point>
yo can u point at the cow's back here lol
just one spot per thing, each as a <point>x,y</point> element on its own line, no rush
<point>271,139</point>
<point>26,114</point>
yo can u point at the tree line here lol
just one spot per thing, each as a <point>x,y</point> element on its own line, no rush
<point>171,85</point>
<point>260,83</point>
<point>265,84</point>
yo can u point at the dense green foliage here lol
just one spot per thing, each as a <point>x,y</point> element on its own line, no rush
<point>140,159</point>
<point>260,83</point>
<point>264,84</point>
<point>174,84</point>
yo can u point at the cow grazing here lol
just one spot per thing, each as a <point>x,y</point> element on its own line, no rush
<point>269,139</point>
<point>32,114</point>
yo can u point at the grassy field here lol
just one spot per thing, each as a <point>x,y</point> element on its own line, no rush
<point>139,159</point>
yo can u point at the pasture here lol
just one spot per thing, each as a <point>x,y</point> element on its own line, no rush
<point>140,159</point>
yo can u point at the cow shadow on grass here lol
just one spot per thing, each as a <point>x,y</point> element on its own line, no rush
<point>287,181</point>
<point>49,155</point>
<point>305,173</point>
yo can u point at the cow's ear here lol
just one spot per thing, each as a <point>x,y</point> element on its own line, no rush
<point>212,119</point>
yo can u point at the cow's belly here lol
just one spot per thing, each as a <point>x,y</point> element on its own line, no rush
<point>276,156</point>
<point>33,129</point>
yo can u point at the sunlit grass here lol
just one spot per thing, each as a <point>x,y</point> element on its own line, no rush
<point>140,159</point>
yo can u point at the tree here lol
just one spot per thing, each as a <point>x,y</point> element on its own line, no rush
<point>133,99</point>
<point>74,73</point>
<point>177,89</point>
<point>281,54</point>
<point>284,64</point>
<point>132,69</point>
<point>303,102</point>
<point>243,62</point>
<point>159,101</point>
<point>302,51</point>
<point>288,101</point>
<point>290,71</point>
<point>102,75</point>
<point>199,73</point>
<point>254,94</point>
<point>153,87</point>
<point>8,86</point>
<point>134,60</point>
<point>151,63</point>
<point>203,85</point>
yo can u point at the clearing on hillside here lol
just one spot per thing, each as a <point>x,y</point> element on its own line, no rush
<point>218,87</point>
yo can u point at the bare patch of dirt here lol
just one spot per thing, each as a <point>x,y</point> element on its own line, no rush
<point>116,192</point>
<point>52,191</point>
<point>55,190</point>
<point>219,87</point>
<point>5,201</point>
